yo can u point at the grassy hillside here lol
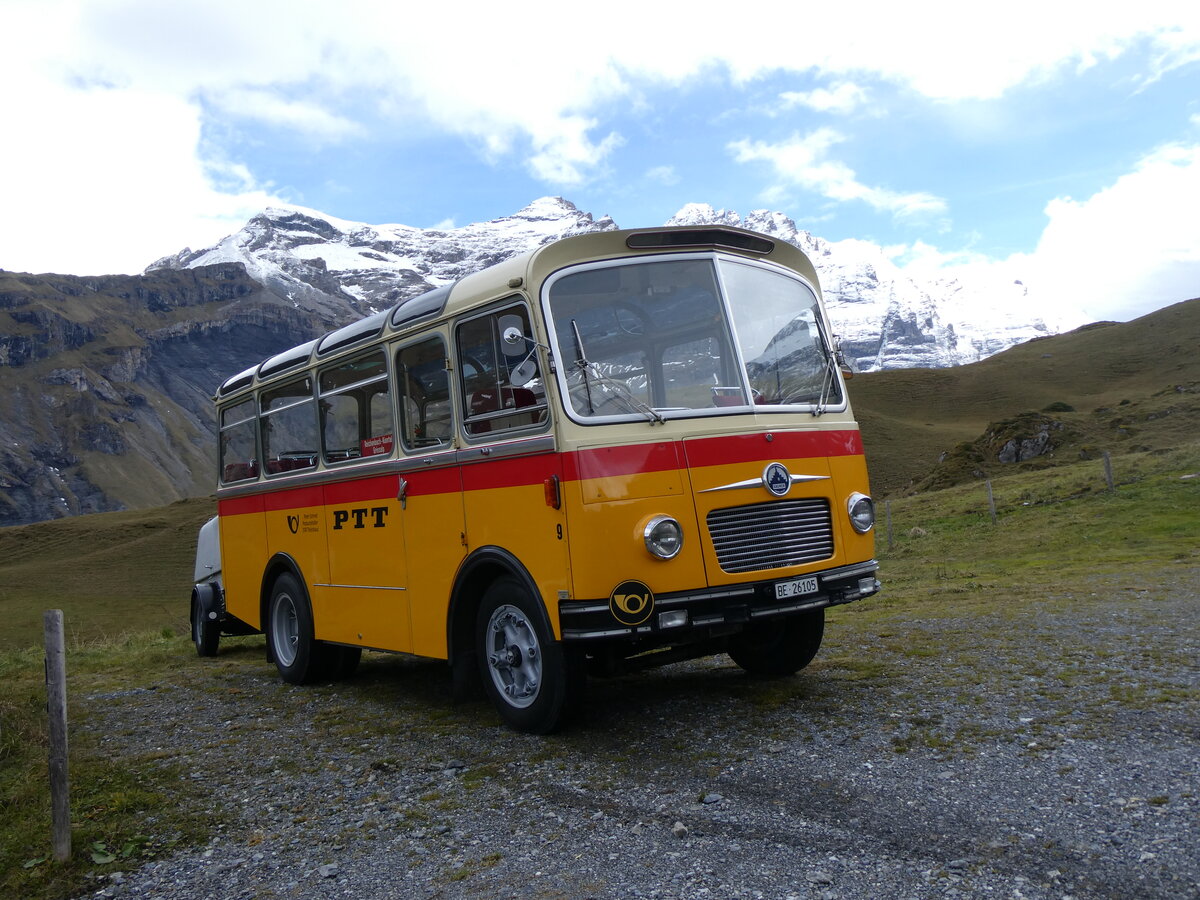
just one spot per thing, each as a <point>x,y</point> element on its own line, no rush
<point>1130,387</point>
<point>111,573</point>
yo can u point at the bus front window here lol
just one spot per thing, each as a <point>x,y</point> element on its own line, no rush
<point>779,329</point>
<point>654,339</point>
<point>643,338</point>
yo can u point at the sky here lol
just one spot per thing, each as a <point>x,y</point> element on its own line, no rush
<point>1054,143</point>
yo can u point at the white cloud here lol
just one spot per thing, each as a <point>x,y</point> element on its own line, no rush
<point>301,116</point>
<point>665,175</point>
<point>843,98</point>
<point>111,94</point>
<point>1130,248</point>
<point>803,162</point>
<point>112,182</point>
<point>1126,251</point>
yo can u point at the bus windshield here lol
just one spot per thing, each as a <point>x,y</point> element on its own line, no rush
<point>687,336</point>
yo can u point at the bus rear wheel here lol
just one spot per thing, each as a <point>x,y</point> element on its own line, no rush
<point>524,670</point>
<point>206,632</point>
<point>778,649</point>
<point>299,658</point>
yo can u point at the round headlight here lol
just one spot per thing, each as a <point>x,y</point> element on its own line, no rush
<point>862,512</point>
<point>663,536</point>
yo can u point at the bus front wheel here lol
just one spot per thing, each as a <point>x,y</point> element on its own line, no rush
<point>524,670</point>
<point>299,658</point>
<point>774,650</point>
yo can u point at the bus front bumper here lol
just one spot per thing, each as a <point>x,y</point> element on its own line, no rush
<point>693,614</point>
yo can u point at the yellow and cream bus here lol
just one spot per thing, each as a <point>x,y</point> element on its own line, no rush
<point>620,449</point>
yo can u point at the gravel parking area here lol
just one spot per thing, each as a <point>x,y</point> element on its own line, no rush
<point>1046,750</point>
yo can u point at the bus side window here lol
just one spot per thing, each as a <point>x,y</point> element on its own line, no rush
<point>356,412</point>
<point>424,388</point>
<point>289,428</point>
<point>492,401</point>
<point>239,461</point>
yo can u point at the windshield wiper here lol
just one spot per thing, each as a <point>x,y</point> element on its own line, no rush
<point>830,374</point>
<point>619,388</point>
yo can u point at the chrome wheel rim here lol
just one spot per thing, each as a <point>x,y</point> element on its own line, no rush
<point>514,656</point>
<point>285,629</point>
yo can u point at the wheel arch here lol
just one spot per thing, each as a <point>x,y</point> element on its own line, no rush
<point>279,564</point>
<point>476,573</point>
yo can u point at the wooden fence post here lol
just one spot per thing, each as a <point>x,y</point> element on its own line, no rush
<point>887,506</point>
<point>56,697</point>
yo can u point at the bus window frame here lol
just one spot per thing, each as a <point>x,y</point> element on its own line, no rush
<point>715,257</point>
<point>253,468</point>
<point>495,309</point>
<point>387,378</point>
<point>264,418</point>
<point>446,444</point>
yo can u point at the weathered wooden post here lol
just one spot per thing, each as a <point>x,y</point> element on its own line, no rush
<point>56,705</point>
<point>991,502</point>
<point>1108,476</point>
<point>887,507</point>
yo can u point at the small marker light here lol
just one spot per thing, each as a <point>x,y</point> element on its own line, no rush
<point>672,619</point>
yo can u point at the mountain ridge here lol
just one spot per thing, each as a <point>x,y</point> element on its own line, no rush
<point>108,379</point>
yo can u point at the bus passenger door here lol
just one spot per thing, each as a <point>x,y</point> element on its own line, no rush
<point>429,489</point>
<point>365,599</point>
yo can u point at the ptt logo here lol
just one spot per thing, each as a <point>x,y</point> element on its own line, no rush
<point>631,602</point>
<point>363,516</point>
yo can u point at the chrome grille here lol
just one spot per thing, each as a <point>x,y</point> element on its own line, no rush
<point>771,535</point>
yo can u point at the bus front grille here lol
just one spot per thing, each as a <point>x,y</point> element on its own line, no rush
<point>771,535</point>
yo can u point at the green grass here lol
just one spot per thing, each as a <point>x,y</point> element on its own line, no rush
<point>110,574</point>
<point>122,812</point>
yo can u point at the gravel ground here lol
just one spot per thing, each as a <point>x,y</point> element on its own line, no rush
<point>1046,751</point>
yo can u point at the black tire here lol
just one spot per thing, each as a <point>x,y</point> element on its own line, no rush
<point>206,632</point>
<point>299,658</point>
<point>523,669</point>
<point>777,649</point>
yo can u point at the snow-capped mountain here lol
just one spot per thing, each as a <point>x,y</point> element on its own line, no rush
<point>310,257</point>
<point>887,319</point>
<point>890,320</point>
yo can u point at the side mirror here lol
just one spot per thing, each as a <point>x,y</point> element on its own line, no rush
<point>512,338</point>
<point>523,374</point>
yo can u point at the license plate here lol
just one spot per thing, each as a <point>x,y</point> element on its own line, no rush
<point>797,587</point>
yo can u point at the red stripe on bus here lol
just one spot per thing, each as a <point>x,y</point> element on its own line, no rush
<point>720,451</point>
<point>362,490</point>
<point>240,506</point>
<point>523,471</point>
<point>625,459</point>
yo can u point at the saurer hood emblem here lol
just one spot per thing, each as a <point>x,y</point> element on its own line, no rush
<point>777,479</point>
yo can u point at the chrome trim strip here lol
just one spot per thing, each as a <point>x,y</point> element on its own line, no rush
<point>371,587</point>
<point>506,450</point>
<point>870,567</point>
<point>444,456</point>
<point>758,482</point>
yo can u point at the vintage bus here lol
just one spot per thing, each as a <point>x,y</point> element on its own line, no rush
<point>620,449</point>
